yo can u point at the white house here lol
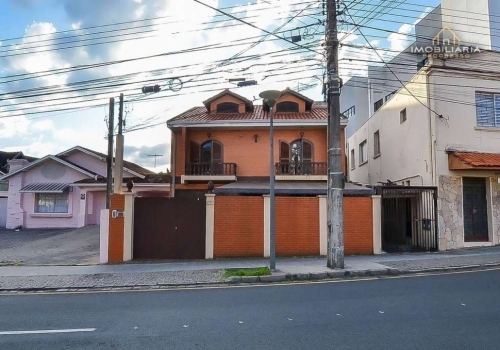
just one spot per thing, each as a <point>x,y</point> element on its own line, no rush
<point>443,129</point>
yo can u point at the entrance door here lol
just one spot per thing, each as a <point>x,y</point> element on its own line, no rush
<point>475,209</point>
<point>3,212</point>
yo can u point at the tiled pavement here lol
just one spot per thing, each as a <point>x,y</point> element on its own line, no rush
<point>50,246</point>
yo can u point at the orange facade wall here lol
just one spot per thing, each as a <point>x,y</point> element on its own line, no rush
<point>252,158</point>
<point>116,229</point>
<point>227,98</point>
<point>358,225</point>
<point>238,227</point>
<point>297,226</point>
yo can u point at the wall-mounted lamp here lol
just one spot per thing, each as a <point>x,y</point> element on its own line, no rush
<point>209,134</point>
<point>301,134</point>
<point>256,137</point>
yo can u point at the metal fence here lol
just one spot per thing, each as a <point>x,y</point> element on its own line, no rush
<point>409,218</point>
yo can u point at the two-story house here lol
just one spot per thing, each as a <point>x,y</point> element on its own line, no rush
<point>442,129</point>
<point>226,142</point>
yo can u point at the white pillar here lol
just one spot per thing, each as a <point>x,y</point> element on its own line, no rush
<point>323,227</point>
<point>210,226</point>
<point>104,236</point>
<point>128,234</point>
<point>83,208</point>
<point>267,226</point>
<point>377,224</point>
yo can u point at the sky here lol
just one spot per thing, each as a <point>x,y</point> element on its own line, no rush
<point>46,35</point>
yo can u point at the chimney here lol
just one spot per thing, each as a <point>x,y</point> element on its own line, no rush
<point>16,164</point>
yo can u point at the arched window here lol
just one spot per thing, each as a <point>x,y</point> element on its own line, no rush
<point>227,107</point>
<point>301,151</point>
<point>287,106</point>
<point>211,152</point>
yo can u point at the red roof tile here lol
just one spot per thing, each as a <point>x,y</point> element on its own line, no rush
<point>200,114</point>
<point>479,159</point>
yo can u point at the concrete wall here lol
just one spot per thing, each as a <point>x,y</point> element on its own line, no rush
<point>404,147</point>
<point>355,93</point>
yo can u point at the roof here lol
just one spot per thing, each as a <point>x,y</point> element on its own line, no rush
<point>148,179</point>
<point>38,187</point>
<point>57,159</point>
<point>6,156</point>
<point>317,114</point>
<point>126,164</point>
<point>247,102</point>
<point>310,188</point>
<point>289,91</point>
<point>481,160</point>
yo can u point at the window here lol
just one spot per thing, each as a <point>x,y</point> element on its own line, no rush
<point>402,116</point>
<point>301,151</point>
<point>363,153</point>
<point>350,112</point>
<point>287,106</point>
<point>4,185</point>
<point>488,109</point>
<point>378,104</point>
<point>353,162</point>
<point>389,96</point>
<point>422,63</point>
<point>51,203</point>
<point>211,152</point>
<point>227,107</point>
<point>376,144</point>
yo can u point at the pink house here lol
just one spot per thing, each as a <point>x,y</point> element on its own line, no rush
<point>68,189</point>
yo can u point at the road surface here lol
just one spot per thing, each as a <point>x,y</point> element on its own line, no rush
<point>454,311</point>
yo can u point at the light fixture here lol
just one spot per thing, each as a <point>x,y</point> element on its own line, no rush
<point>301,134</point>
<point>255,137</point>
<point>209,135</point>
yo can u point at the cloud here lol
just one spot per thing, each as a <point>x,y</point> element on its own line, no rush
<point>400,40</point>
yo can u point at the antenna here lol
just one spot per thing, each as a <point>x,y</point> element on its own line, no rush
<point>156,156</point>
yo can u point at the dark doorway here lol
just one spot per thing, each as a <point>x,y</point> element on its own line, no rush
<point>170,228</point>
<point>475,210</point>
<point>409,219</point>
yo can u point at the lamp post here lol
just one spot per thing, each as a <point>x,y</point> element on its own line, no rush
<point>270,97</point>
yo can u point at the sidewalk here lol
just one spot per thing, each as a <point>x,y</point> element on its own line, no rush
<point>177,273</point>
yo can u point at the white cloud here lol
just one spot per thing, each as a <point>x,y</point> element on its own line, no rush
<point>400,40</point>
<point>44,125</point>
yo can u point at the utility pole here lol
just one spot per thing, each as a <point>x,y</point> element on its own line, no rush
<point>109,162</point>
<point>156,156</point>
<point>119,150</point>
<point>335,220</point>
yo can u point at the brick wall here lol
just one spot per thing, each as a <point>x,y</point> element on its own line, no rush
<point>116,229</point>
<point>238,226</point>
<point>297,226</point>
<point>358,225</point>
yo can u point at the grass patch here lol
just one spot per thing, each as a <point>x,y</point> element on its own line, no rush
<point>259,271</point>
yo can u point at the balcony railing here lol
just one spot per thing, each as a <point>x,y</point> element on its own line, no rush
<point>211,169</point>
<point>304,168</point>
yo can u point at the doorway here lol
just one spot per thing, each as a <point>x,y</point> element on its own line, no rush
<point>475,210</point>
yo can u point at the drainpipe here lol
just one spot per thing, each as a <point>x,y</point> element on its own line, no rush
<point>432,130</point>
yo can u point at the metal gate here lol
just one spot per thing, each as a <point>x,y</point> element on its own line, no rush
<point>170,228</point>
<point>409,218</point>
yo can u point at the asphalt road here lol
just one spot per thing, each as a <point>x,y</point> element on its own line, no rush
<point>458,311</point>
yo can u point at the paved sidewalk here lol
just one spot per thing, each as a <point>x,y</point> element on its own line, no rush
<point>212,271</point>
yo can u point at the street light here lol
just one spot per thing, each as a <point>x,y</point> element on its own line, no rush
<point>270,97</point>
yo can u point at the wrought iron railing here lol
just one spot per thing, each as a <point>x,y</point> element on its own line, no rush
<point>224,169</point>
<point>303,168</point>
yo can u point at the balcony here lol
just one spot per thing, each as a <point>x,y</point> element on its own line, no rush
<point>304,171</point>
<point>209,172</point>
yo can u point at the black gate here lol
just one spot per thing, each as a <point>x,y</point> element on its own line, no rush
<point>170,228</point>
<point>409,218</point>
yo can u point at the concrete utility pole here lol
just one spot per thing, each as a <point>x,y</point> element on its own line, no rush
<point>119,151</point>
<point>109,162</point>
<point>335,220</point>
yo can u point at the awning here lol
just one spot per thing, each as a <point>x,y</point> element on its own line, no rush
<point>305,188</point>
<point>473,160</point>
<point>52,187</point>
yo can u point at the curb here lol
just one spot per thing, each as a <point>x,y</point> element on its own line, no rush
<point>270,279</point>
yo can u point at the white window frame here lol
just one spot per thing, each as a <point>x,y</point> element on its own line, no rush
<point>376,144</point>
<point>403,116</point>
<point>45,197</point>
<point>496,109</point>
<point>363,152</point>
<point>353,160</point>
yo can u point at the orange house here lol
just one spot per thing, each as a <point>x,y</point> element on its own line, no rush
<point>226,143</point>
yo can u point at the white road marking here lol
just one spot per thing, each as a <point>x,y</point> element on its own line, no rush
<point>339,315</point>
<point>49,331</point>
<point>381,312</point>
<point>186,326</point>
<point>241,322</point>
<point>290,319</point>
<point>463,304</point>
